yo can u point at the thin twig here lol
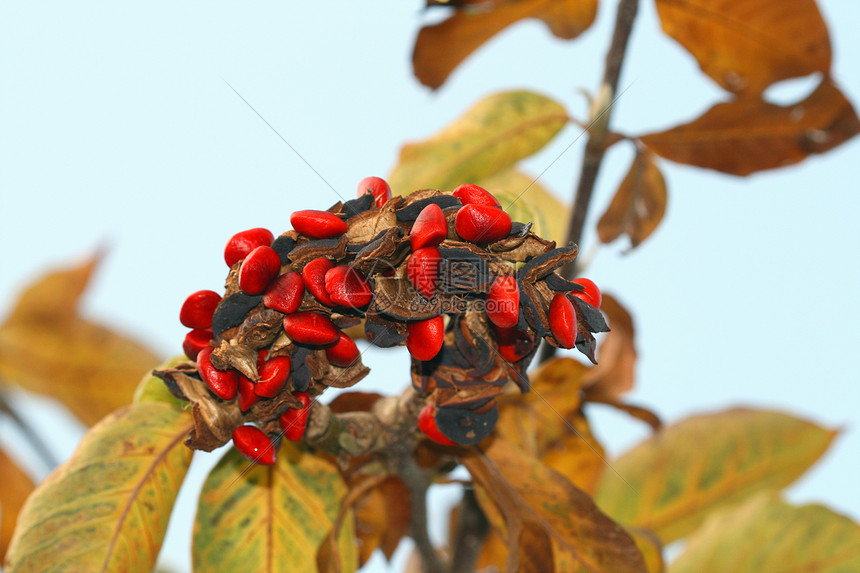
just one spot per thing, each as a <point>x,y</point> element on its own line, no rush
<point>417,481</point>
<point>472,529</point>
<point>38,444</point>
<point>595,147</point>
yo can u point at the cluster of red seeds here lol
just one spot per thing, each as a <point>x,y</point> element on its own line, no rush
<point>282,302</point>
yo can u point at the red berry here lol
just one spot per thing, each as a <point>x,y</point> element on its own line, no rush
<point>223,384</point>
<point>311,328</point>
<point>285,293</point>
<point>314,278</point>
<point>378,187</point>
<point>258,269</point>
<point>422,268</point>
<point>427,425</point>
<point>344,353</point>
<point>469,194</point>
<point>591,294</point>
<point>482,224</point>
<point>562,320</point>
<point>295,420</point>
<point>503,301</point>
<point>198,308</point>
<point>243,243</point>
<point>514,344</point>
<point>254,445</point>
<point>430,227</point>
<point>424,337</point>
<point>195,341</point>
<point>317,224</point>
<point>273,376</point>
<point>247,397</point>
<point>347,287</point>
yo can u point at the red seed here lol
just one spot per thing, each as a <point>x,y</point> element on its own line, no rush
<point>344,353</point>
<point>348,287</point>
<point>591,294</point>
<point>514,344</point>
<point>255,445</point>
<point>285,293</point>
<point>562,320</point>
<point>503,301</point>
<point>469,194</point>
<point>223,384</point>
<point>198,308</point>
<point>258,269</point>
<point>317,224</point>
<point>422,269</point>
<point>273,376</point>
<point>311,328</point>
<point>247,397</point>
<point>481,224</point>
<point>243,243</point>
<point>314,278</point>
<point>195,341</point>
<point>427,425</point>
<point>378,187</point>
<point>430,228</point>
<point>424,337</point>
<point>262,356</point>
<point>295,420</point>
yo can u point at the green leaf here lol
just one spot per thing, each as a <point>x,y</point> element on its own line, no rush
<point>528,201</point>
<point>766,535</point>
<point>152,389</point>
<point>497,132</point>
<point>106,509</point>
<point>687,470</point>
<point>270,518</point>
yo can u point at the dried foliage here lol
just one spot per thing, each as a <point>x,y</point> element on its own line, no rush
<point>546,498</point>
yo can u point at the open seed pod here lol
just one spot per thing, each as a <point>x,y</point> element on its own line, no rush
<point>448,274</point>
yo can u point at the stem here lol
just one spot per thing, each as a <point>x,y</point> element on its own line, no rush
<point>472,528</point>
<point>39,446</point>
<point>417,481</point>
<point>595,146</point>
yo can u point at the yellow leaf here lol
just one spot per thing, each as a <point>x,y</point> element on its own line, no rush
<point>441,47</point>
<point>47,348</point>
<point>494,134</point>
<point>152,389</point>
<point>684,472</point>
<point>15,486</point>
<point>748,135</point>
<point>766,535</point>
<point>536,420</point>
<point>528,201</point>
<point>550,525</point>
<point>746,46</point>
<point>638,205</point>
<point>270,518</point>
<point>107,507</point>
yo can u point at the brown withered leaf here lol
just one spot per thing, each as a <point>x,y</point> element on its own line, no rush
<point>48,348</point>
<point>638,205</point>
<point>613,375</point>
<point>15,486</point>
<point>382,518</point>
<point>440,48</point>
<point>748,135</point>
<point>548,523</point>
<point>746,46</point>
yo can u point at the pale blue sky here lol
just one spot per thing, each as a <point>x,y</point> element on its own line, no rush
<point>117,129</point>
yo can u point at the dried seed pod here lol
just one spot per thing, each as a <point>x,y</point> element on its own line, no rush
<point>449,275</point>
